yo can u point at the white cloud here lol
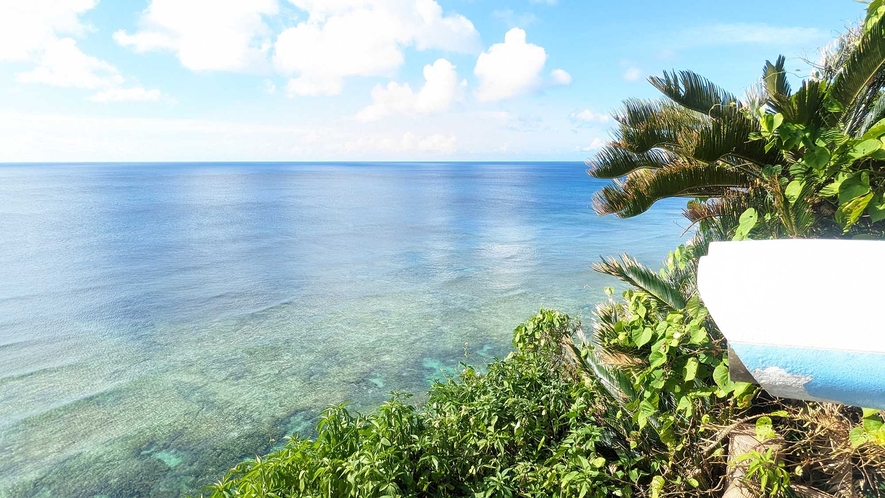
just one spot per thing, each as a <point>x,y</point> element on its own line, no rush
<point>588,116</point>
<point>133,94</point>
<point>561,77</point>
<point>595,144</point>
<point>632,74</point>
<point>269,87</point>
<point>61,63</point>
<point>740,33</point>
<point>509,69</point>
<point>26,27</point>
<point>409,142</point>
<point>547,2</point>
<point>440,89</point>
<point>206,35</point>
<point>345,38</point>
<point>34,32</point>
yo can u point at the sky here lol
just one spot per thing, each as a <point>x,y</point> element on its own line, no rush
<point>365,80</point>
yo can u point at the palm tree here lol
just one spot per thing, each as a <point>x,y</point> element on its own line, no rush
<point>702,142</point>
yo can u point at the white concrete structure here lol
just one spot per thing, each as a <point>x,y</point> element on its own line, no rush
<point>806,317</point>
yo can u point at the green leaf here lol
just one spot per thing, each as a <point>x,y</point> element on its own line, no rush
<point>764,429</point>
<point>720,375</point>
<point>748,220</point>
<point>684,405</point>
<point>872,424</point>
<point>875,131</point>
<point>858,437</point>
<point>691,369</point>
<point>865,148</point>
<point>598,462</point>
<point>854,186</point>
<point>656,359</point>
<point>876,208</point>
<point>643,336</point>
<point>698,336</point>
<point>657,485</point>
<point>833,188</point>
<point>777,121</point>
<point>870,412</point>
<point>793,190</point>
<point>772,169</point>
<point>817,157</point>
<point>850,212</point>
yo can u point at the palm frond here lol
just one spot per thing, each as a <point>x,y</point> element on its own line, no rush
<point>643,278</point>
<point>861,67</point>
<point>642,188</point>
<point>613,161</point>
<point>697,93</point>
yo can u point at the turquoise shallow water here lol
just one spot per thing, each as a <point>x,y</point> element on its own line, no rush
<point>160,322</point>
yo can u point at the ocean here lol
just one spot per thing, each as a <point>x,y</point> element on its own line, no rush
<point>161,322</point>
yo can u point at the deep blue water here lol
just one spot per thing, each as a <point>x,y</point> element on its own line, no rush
<point>160,322</point>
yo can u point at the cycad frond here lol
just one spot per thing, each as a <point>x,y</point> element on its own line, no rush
<point>643,278</point>
<point>613,161</point>
<point>873,116</point>
<point>774,76</point>
<point>697,93</point>
<point>647,124</point>
<point>728,206</point>
<point>720,217</point>
<point>729,137</point>
<point>807,103</point>
<point>796,215</point>
<point>642,188</point>
<point>861,67</point>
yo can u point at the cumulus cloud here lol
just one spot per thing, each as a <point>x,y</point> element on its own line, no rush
<point>26,27</point>
<point>596,143</point>
<point>62,63</point>
<point>587,117</point>
<point>41,31</point>
<point>440,89</point>
<point>509,69</point>
<point>632,74</point>
<point>345,38</point>
<point>206,35</point>
<point>561,77</point>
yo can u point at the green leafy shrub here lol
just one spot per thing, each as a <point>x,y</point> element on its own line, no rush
<point>525,428</point>
<point>663,365</point>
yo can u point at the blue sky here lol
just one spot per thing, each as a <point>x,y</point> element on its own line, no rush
<point>305,80</point>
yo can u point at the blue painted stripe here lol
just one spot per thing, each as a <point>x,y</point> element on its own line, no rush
<point>847,377</point>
